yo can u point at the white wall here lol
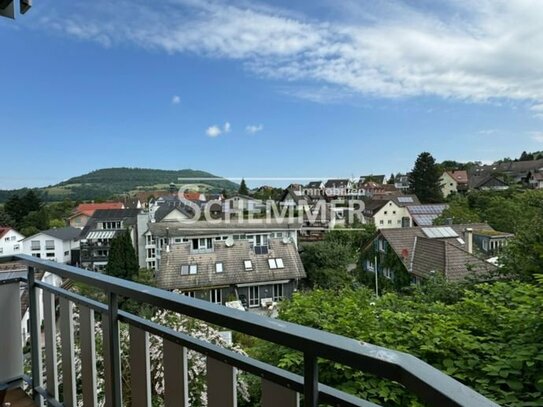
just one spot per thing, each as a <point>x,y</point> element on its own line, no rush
<point>61,252</point>
<point>390,216</point>
<point>448,185</point>
<point>11,243</point>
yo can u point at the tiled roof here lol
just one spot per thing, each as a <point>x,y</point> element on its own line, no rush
<point>336,183</point>
<point>67,233</point>
<point>423,255</point>
<point>169,276</point>
<point>437,255</point>
<point>460,176</point>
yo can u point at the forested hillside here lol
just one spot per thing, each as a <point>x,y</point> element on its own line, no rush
<point>104,183</point>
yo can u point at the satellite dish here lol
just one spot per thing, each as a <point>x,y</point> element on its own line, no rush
<point>286,240</point>
<point>229,242</point>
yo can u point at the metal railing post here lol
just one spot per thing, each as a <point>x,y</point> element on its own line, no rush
<point>35,337</point>
<point>311,381</point>
<point>114,351</point>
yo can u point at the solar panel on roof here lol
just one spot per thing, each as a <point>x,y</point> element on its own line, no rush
<point>405,199</point>
<point>439,232</point>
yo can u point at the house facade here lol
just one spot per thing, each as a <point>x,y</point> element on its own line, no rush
<point>390,211</point>
<point>10,241</point>
<point>416,253</point>
<point>83,212</point>
<point>53,244</point>
<point>453,182</point>
<point>100,230</point>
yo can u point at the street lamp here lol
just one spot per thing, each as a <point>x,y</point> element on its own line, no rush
<point>7,7</point>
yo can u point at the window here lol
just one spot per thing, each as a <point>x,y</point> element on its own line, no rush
<point>151,253</point>
<point>276,263</point>
<point>254,296</point>
<point>190,294</point>
<point>215,296</point>
<point>248,265</point>
<point>7,239</point>
<point>36,255</point>
<point>15,247</point>
<point>1,250</point>
<point>50,254</point>
<point>35,245</point>
<point>219,267</point>
<point>277,292</point>
<point>184,269</point>
<point>193,269</point>
<point>386,212</point>
<point>49,245</point>
<point>390,222</point>
<point>394,212</point>
<point>177,240</point>
<point>202,244</point>
<point>381,222</point>
<point>67,253</point>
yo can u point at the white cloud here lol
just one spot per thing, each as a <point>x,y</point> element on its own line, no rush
<point>538,110</point>
<point>537,136</point>
<point>176,100</point>
<point>473,51</point>
<point>254,128</point>
<point>213,131</point>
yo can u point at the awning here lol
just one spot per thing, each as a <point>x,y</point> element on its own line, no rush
<point>102,234</point>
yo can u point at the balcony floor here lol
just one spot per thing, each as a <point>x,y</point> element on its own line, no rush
<point>18,398</point>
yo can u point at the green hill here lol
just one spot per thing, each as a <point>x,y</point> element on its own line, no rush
<point>108,182</point>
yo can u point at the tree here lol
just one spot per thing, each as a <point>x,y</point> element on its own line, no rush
<point>327,263</point>
<point>458,212</point>
<point>424,180</point>
<point>122,261</point>
<point>391,180</point>
<point>5,219</point>
<point>14,208</point>
<point>56,223</point>
<point>488,336</point>
<point>243,190</point>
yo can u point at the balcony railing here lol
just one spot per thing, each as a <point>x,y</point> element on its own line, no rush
<point>279,387</point>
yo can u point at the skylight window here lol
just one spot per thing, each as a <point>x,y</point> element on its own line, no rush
<point>279,262</point>
<point>219,267</point>
<point>248,265</point>
<point>272,264</point>
<point>193,269</point>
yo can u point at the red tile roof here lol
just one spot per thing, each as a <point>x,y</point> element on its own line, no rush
<point>89,208</point>
<point>460,176</point>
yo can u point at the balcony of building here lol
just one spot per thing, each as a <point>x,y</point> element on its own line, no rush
<point>78,381</point>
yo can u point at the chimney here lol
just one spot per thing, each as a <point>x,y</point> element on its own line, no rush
<point>468,237</point>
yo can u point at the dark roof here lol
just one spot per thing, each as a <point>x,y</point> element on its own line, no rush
<point>424,215</point>
<point>115,214</point>
<point>314,184</point>
<point>486,181</point>
<point>514,168</point>
<point>165,210</point>
<point>169,275</point>
<point>337,183</point>
<point>67,233</point>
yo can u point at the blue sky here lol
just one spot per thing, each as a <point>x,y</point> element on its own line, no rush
<point>255,89</point>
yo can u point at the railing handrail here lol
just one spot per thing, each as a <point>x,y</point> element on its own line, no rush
<point>427,382</point>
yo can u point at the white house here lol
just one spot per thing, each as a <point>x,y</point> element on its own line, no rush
<point>10,241</point>
<point>391,212</point>
<point>53,244</point>
<point>239,203</point>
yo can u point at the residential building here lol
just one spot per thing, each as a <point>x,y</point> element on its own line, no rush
<point>423,251</point>
<point>81,214</point>
<point>390,211</point>
<point>491,242</point>
<point>535,180</point>
<point>58,245</point>
<point>488,183</point>
<point>101,228</point>
<point>340,188</point>
<point>515,171</point>
<point>10,241</point>
<point>239,204</point>
<point>158,236</point>
<point>401,182</point>
<point>453,182</point>
<point>258,266</point>
<point>378,179</point>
